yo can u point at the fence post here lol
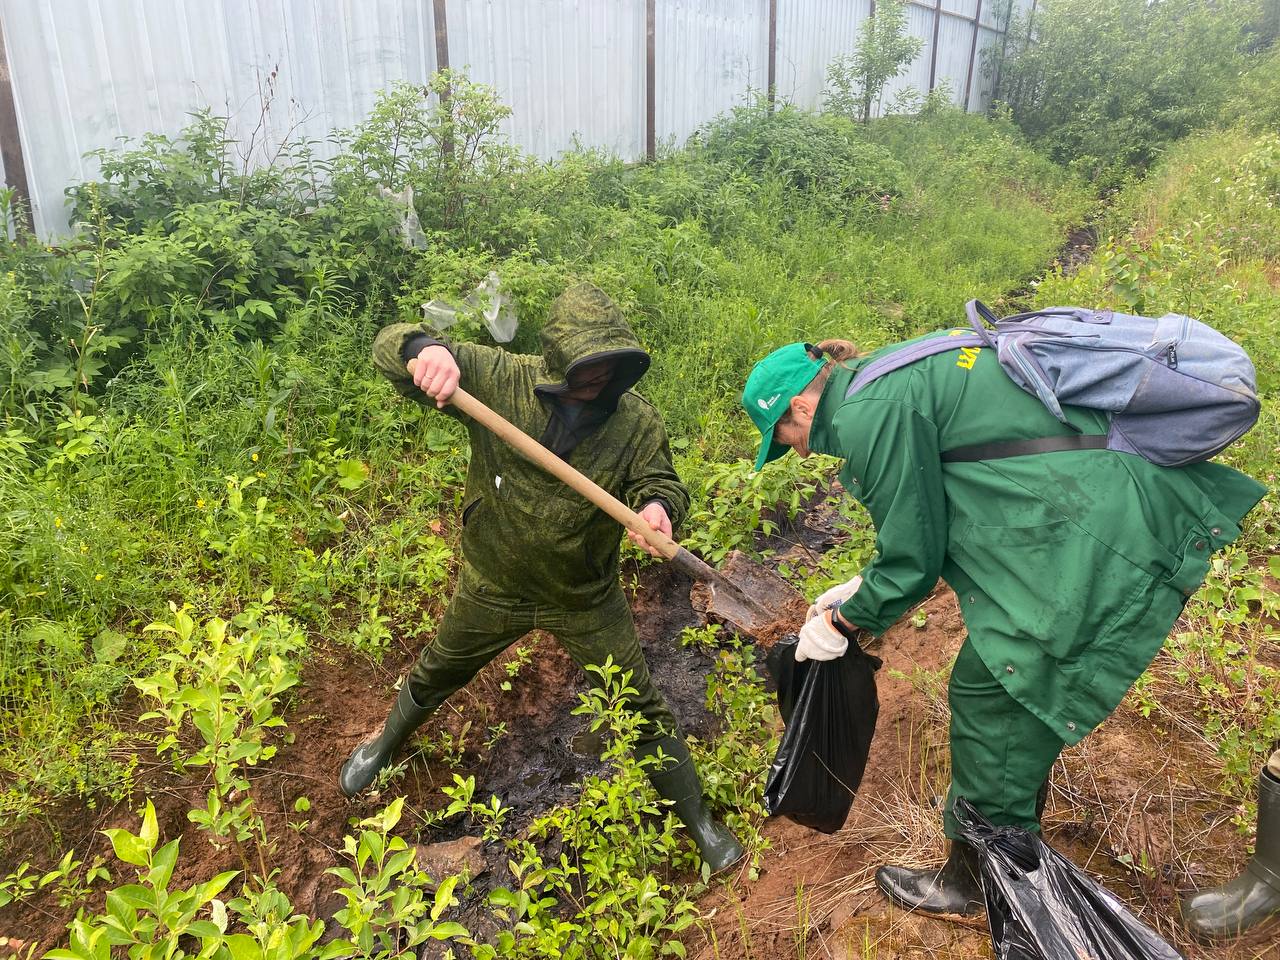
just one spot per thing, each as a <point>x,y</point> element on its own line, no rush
<point>973,55</point>
<point>773,51</point>
<point>1004,48</point>
<point>15,168</point>
<point>650,80</point>
<point>440,19</point>
<point>866,97</point>
<point>933,54</point>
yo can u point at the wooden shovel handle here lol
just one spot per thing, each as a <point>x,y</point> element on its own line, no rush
<point>536,453</point>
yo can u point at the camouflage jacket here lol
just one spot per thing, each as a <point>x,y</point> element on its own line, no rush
<point>523,530</point>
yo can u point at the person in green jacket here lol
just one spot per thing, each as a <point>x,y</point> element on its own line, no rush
<point>536,554</point>
<point>1070,567</point>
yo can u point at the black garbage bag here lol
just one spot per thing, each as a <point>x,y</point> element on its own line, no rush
<point>1041,906</point>
<point>829,708</point>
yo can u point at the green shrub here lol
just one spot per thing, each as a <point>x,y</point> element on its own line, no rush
<point>1105,85</point>
<point>823,157</point>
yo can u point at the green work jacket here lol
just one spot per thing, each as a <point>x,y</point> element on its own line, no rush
<point>1071,568</point>
<point>523,530</point>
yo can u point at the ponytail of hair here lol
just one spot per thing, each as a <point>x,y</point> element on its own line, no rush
<point>837,350</point>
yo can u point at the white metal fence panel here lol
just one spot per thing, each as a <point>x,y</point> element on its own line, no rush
<point>955,37</point>
<point>712,56</point>
<point>964,8</point>
<point>916,73</point>
<point>89,72</point>
<point>571,70</point>
<point>983,80</point>
<point>812,33</point>
<point>86,73</point>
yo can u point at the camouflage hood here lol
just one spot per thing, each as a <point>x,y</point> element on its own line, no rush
<point>584,326</point>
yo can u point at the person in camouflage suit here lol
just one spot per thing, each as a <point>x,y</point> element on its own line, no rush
<point>536,554</point>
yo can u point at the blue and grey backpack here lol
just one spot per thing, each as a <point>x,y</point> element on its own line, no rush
<point>1177,390</point>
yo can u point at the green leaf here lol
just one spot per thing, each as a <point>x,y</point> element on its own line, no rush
<point>150,831</point>
<point>217,885</point>
<point>352,474</point>
<point>127,847</point>
<point>162,865</point>
<point>444,897</point>
<point>243,947</point>
<point>444,931</point>
<point>108,645</point>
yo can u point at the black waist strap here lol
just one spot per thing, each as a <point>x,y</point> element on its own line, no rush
<point>1021,448</point>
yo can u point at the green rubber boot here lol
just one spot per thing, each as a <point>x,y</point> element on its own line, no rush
<point>368,759</point>
<point>678,782</point>
<point>1252,897</point>
<point>955,889</point>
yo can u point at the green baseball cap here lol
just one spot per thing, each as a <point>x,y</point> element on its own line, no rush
<point>770,386</point>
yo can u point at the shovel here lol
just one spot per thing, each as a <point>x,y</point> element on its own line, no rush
<point>746,596</point>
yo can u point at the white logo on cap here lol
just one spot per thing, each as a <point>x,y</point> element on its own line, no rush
<point>768,404</point>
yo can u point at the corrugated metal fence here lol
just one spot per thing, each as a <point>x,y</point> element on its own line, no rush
<point>615,74</point>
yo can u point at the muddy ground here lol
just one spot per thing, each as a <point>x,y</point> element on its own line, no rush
<point>1128,787</point>
<point>533,766</point>
<point>1130,793</point>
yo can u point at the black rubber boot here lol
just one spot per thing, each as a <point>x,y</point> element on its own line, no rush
<point>954,889</point>
<point>1252,897</point>
<point>368,759</point>
<point>678,782</point>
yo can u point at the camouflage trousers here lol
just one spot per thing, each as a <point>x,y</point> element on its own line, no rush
<point>482,621</point>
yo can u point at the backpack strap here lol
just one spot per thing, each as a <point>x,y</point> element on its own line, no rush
<point>1003,449</point>
<point>910,354</point>
<point>978,312</point>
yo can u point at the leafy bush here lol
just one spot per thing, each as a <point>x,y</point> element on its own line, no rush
<point>885,46</point>
<point>1106,84</point>
<point>821,156</point>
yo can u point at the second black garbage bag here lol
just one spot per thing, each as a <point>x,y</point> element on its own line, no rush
<point>829,708</point>
<point>1041,906</point>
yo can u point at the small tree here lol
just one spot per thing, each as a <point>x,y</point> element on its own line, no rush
<point>884,48</point>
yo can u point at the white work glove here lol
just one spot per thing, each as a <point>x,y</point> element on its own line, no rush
<point>819,640</point>
<point>837,595</point>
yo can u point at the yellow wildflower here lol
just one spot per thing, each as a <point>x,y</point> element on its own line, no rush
<point>199,503</point>
<point>254,457</point>
<point>57,522</point>
<point>97,576</point>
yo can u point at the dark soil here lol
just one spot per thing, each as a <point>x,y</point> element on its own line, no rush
<point>342,699</point>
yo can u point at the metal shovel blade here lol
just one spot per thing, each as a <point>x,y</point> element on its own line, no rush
<point>749,598</point>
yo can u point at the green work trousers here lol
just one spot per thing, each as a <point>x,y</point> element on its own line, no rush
<point>483,620</point>
<point>1001,753</point>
